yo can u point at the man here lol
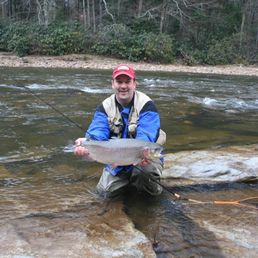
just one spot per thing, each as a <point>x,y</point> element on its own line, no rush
<point>126,114</point>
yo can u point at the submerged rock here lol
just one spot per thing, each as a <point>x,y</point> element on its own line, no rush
<point>75,232</point>
<point>229,164</point>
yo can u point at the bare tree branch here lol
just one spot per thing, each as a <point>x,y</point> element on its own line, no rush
<point>108,12</point>
<point>149,12</point>
<point>3,1</point>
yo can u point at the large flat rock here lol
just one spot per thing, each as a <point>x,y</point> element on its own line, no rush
<point>83,231</point>
<point>230,164</point>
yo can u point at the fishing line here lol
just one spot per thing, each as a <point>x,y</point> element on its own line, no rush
<point>157,182</point>
<point>51,106</point>
<point>241,202</point>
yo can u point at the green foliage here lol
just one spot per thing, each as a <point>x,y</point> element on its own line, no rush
<point>21,45</point>
<point>225,51</point>
<point>114,31</point>
<point>202,35</point>
<point>143,25</point>
<point>119,41</point>
<point>116,48</point>
<point>232,18</point>
<point>190,56</point>
<point>3,45</point>
<point>209,25</point>
<point>111,41</point>
<point>157,48</point>
<point>60,40</point>
<point>206,35</point>
<point>25,38</point>
<point>16,37</point>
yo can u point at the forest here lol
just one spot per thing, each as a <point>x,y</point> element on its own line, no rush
<point>166,31</point>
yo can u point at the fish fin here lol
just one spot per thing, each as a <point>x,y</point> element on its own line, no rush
<point>88,158</point>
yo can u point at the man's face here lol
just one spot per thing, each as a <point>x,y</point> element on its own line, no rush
<point>124,88</point>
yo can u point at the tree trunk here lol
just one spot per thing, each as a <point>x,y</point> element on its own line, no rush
<point>100,12</point>
<point>39,12</point>
<point>88,14</point>
<point>118,7</point>
<point>242,30</point>
<point>10,8</point>
<point>93,16</point>
<point>107,11</point>
<point>162,16</point>
<point>84,14</point>
<point>3,10</point>
<point>140,8</point>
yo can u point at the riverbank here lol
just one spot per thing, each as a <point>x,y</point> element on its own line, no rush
<point>100,62</point>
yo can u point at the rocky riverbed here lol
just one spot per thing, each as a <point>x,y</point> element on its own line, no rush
<point>100,62</point>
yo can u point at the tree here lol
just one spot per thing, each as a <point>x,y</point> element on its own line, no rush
<point>195,24</point>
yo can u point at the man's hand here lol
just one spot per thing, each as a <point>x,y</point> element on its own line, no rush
<point>80,150</point>
<point>145,161</point>
<point>79,141</point>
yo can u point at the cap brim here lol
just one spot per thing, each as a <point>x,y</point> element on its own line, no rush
<point>123,73</point>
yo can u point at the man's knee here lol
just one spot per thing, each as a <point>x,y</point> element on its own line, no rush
<point>109,185</point>
<point>147,178</point>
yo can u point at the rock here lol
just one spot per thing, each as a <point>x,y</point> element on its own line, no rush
<point>229,164</point>
<point>233,228</point>
<point>74,232</point>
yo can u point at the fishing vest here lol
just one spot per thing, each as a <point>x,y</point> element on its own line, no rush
<point>115,119</point>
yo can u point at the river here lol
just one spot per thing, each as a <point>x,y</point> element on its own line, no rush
<point>197,112</point>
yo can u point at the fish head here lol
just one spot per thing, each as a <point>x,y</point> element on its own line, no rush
<point>153,153</point>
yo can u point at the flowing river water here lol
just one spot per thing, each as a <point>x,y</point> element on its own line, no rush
<point>197,111</point>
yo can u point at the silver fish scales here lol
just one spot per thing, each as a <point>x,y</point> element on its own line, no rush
<point>122,152</point>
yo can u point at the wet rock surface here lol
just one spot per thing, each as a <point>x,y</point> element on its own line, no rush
<point>75,232</point>
<point>228,175</point>
<point>45,225</point>
<point>229,164</point>
<point>234,226</point>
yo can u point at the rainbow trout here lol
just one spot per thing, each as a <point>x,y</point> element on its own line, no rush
<point>121,152</point>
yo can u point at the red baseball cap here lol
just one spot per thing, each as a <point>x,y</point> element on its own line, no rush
<point>123,69</point>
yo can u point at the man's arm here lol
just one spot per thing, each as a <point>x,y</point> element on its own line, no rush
<point>149,123</point>
<point>148,127</point>
<point>98,130</point>
<point>99,127</point>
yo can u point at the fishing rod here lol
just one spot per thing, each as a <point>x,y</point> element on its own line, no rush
<point>54,108</point>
